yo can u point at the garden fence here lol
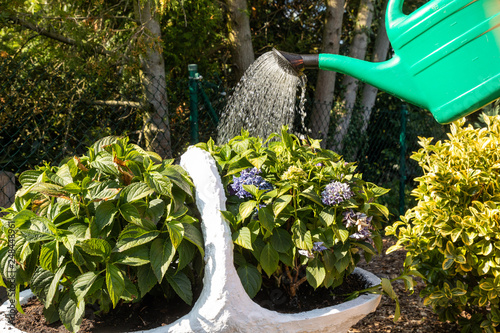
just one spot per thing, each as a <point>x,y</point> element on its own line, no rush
<point>48,113</point>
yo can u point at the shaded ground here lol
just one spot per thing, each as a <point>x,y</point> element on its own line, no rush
<point>415,317</point>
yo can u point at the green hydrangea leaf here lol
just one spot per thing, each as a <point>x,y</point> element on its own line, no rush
<point>181,285</point>
<point>105,214</point>
<point>176,232</point>
<point>115,283</point>
<point>266,218</point>
<point>315,272</point>
<point>243,238</point>
<point>280,203</point>
<point>269,259</point>
<point>281,240</point>
<point>250,278</point>
<point>71,312</point>
<point>161,255</point>
<point>247,208</point>
<point>133,236</point>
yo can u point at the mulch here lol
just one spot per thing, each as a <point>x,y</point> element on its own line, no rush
<point>415,317</point>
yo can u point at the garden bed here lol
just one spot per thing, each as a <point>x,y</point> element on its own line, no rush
<point>154,312</point>
<point>415,317</point>
<point>147,314</point>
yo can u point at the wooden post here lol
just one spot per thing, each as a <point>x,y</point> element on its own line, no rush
<point>7,188</point>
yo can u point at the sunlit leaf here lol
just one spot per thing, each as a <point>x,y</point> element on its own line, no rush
<point>243,238</point>
<point>115,283</point>
<point>161,255</point>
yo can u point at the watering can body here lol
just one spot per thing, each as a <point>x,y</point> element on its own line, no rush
<point>446,57</point>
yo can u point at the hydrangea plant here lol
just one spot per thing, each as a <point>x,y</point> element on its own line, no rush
<point>298,213</point>
<point>452,235</point>
<point>103,228</point>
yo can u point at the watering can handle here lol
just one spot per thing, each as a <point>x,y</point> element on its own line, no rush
<point>394,12</point>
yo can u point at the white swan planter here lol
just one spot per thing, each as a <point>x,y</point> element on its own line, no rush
<point>223,305</point>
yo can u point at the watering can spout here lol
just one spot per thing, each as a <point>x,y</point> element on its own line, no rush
<point>388,76</point>
<point>296,62</point>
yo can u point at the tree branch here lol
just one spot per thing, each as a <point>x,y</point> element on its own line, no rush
<point>116,103</point>
<point>61,18</point>
<point>56,36</point>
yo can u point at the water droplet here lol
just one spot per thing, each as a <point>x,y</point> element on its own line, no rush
<point>264,100</point>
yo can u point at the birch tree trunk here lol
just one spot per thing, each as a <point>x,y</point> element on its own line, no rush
<point>380,51</point>
<point>240,36</point>
<point>325,85</point>
<point>358,51</point>
<point>156,119</point>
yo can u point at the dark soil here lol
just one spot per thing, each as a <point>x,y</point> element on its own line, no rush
<point>307,298</point>
<point>149,313</point>
<point>415,317</point>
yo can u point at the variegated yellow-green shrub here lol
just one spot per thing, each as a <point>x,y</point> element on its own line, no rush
<point>453,234</point>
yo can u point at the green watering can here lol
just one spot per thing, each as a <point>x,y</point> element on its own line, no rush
<point>446,57</point>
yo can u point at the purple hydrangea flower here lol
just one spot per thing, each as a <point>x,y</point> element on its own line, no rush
<point>362,222</point>
<point>364,234</point>
<point>335,193</point>
<point>248,176</point>
<point>319,247</point>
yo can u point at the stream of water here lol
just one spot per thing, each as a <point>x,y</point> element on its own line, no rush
<point>264,100</point>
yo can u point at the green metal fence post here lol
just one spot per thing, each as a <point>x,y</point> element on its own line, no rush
<point>209,106</point>
<point>402,159</point>
<point>193,101</point>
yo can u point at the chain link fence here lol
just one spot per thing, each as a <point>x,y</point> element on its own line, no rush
<point>48,113</point>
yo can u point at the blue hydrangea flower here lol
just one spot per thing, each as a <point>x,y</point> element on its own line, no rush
<point>319,247</point>
<point>335,193</point>
<point>248,176</point>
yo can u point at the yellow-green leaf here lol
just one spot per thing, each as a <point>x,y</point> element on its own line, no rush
<point>115,283</point>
